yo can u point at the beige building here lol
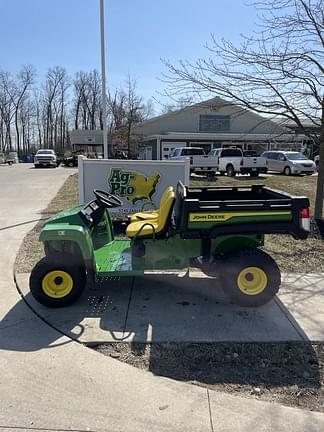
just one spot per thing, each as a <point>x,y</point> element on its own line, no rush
<point>211,124</point>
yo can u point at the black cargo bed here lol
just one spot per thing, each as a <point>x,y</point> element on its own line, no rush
<point>207,212</point>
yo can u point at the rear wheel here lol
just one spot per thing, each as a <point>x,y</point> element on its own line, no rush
<point>251,277</point>
<point>57,282</point>
<point>210,176</point>
<point>230,171</point>
<point>287,171</point>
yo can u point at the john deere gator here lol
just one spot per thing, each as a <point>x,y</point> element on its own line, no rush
<point>220,230</point>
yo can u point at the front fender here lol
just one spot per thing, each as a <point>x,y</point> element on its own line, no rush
<point>59,234</point>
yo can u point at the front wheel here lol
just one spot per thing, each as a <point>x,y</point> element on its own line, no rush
<point>251,277</point>
<point>287,171</point>
<point>57,283</point>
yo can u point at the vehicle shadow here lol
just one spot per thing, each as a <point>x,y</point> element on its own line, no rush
<point>218,348</point>
<point>250,178</point>
<point>194,333</point>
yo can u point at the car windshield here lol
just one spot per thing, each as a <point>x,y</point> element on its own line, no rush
<point>296,156</point>
<point>193,152</point>
<point>45,152</point>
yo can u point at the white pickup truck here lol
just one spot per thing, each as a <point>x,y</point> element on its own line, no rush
<point>200,163</point>
<point>45,157</point>
<point>234,160</point>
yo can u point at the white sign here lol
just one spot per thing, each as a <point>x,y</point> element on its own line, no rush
<point>137,183</point>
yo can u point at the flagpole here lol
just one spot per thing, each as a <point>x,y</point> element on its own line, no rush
<point>103,79</point>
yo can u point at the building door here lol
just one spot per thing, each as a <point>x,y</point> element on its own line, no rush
<point>148,153</point>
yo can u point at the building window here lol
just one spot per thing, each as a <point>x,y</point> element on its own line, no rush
<point>214,123</point>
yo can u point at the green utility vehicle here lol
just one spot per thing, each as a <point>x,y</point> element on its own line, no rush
<point>219,229</point>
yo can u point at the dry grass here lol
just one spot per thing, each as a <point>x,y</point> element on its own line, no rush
<point>288,373</point>
<point>31,250</point>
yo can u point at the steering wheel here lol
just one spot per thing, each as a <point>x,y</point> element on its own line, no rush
<point>106,199</point>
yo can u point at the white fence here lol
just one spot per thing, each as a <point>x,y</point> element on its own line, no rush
<point>137,183</point>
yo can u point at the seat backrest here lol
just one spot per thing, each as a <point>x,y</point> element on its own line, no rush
<point>165,211</point>
<point>165,195</point>
<point>180,196</point>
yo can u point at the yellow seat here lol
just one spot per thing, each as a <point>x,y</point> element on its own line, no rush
<point>148,227</point>
<point>152,214</point>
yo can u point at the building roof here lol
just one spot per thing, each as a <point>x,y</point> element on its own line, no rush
<point>192,136</point>
<point>209,103</point>
<point>86,137</point>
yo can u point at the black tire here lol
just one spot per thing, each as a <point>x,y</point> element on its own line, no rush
<point>210,176</point>
<point>287,171</point>
<point>247,267</point>
<point>71,164</point>
<point>230,171</point>
<point>221,173</point>
<point>65,266</point>
<point>254,174</point>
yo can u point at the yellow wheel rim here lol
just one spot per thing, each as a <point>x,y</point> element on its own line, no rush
<point>57,284</point>
<point>252,280</point>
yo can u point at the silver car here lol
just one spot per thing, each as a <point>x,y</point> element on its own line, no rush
<point>289,162</point>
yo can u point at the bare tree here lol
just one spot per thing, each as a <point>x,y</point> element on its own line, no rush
<point>7,108</point>
<point>277,71</point>
<point>87,97</point>
<point>54,104</point>
<point>24,81</point>
<point>134,109</point>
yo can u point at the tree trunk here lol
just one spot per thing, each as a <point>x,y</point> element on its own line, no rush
<point>17,133</point>
<point>128,139</point>
<point>318,213</point>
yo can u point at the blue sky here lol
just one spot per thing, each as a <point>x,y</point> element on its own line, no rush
<point>47,33</point>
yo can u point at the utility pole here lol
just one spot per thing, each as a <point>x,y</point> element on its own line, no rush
<point>103,78</point>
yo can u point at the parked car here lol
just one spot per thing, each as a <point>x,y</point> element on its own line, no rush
<point>289,162</point>
<point>45,157</point>
<point>235,160</point>
<point>199,161</point>
<point>10,158</point>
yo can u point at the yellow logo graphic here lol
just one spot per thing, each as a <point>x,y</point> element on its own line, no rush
<point>132,185</point>
<point>218,217</point>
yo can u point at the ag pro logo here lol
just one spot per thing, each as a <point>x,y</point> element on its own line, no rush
<point>132,185</point>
